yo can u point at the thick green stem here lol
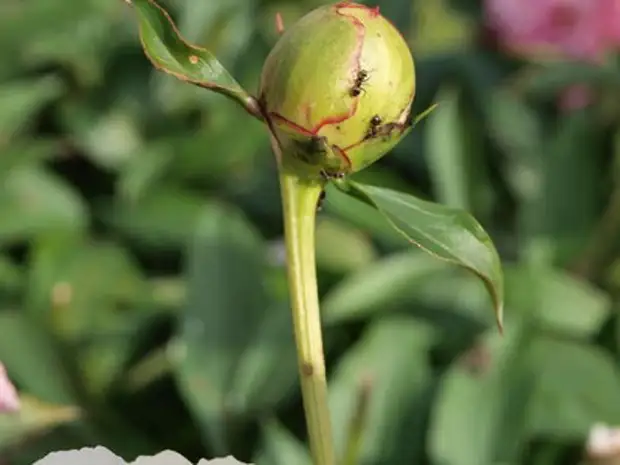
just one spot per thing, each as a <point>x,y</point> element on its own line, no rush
<point>299,199</point>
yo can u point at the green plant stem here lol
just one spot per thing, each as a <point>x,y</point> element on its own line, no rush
<point>299,200</point>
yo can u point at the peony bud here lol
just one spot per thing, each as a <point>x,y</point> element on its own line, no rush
<point>337,89</point>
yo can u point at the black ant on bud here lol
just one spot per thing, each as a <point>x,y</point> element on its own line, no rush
<point>319,204</point>
<point>373,130</point>
<point>360,80</point>
<point>375,122</point>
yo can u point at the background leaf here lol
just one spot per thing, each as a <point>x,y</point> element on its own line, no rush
<point>378,360</point>
<point>116,180</point>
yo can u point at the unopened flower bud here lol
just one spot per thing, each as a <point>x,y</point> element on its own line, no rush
<point>338,88</point>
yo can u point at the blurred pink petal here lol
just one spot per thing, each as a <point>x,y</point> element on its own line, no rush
<point>610,11</point>
<point>9,401</point>
<point>578,29</point>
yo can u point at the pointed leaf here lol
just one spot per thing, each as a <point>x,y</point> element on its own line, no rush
<point>390,363</point>
<point>480,410</point>
<point>444,232</point>
<point>169,52</point>
<point>446,153</point>
<point>226,302</point>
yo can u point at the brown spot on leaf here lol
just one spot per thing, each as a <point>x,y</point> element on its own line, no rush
<point>193,59</point>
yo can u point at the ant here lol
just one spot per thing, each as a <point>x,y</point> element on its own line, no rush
<point>319,204</point>
<point>360,79</point>
<point>373,130</point>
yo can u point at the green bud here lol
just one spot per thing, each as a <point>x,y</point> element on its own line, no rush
<point>338,88</point>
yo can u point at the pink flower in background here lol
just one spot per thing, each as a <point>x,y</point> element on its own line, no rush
<point>9,402</point>
<point>584,30</point>
<point>579,29</point>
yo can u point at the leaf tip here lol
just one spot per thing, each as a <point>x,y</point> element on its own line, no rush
<point>499,316</point>
<point>415,121</point>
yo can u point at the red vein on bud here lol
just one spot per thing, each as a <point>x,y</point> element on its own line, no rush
<point>356,66</point>
<point>291,124</point>
<point>344,155</point>
<point>372,11</point>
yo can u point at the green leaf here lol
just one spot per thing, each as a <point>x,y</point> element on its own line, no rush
<point>340,248</point>
<point>33,201</point>
<point>446,233</point>
<point>362,216</point>
<point>110,140</point>
<point>446,155</point>
<point>226,303</point>
<point>563,217</point>
<point>411,281</point>
<point>479,413</point>
<point>559,301</point>
<point>32,359</point>
<point>11,275</point>
<point>162,217</point>
<point>82,291</point>
<point>577,385</point>
<point>280,447</point>
<point>21,153</point>
<point>390,361</point>
<point>87,283</point>
<point>518,131</point>
<point>20,101</point>
<point>170,53</point>
<point>440,29</point>
<point>267,373</point>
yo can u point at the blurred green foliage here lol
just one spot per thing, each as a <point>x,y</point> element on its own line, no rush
<point>143,297</point>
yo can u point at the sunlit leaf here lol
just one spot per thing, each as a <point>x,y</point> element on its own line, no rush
<point>444,232</point>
